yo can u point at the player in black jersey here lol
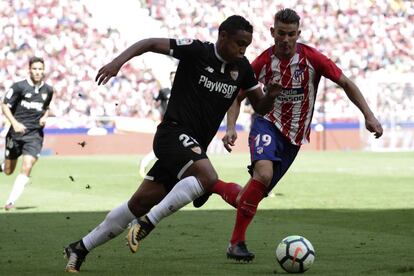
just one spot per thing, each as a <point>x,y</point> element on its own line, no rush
<point>208,79</point>
<point>26,106</point>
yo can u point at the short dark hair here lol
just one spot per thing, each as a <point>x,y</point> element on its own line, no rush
<point>34,60</point>
<point>235,23</point>
<point>287,16</point>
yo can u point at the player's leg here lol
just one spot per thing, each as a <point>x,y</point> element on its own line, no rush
<point>21,181</point>
<point>247,203</point>
<point>148,194</point>
<point>263,147</point>
<point>199,177</point>
<point>262,183</point>
<point>227,190</point>
<point>14,148</point>
<point>12,152</point>
<point>185,191</point>
<point>190,166</point>
<point>9,165</point>
<point>31,146</point>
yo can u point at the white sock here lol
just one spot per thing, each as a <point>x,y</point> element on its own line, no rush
<point>18,187</point>
<point>2,166</point>
<point>185,191</point>
<point>114,224</point>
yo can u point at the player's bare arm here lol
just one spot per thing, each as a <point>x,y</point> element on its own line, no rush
<point>155,45</point>
<point>230,137</point>
<point>43,119</point>
<point>261,102</point>
<point>17,126</point>
<point>355,95</point>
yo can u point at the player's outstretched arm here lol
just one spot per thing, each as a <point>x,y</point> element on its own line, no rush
<point>156,45</point>
<point>355,95</point>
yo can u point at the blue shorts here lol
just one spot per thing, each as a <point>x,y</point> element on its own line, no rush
<point>266,142</point>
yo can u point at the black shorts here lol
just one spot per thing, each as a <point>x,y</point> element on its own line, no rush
<point>176,151</point>
<point>28,143</point>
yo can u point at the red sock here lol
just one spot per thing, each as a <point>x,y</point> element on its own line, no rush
<point>228,191</point>
<point>246,209</point>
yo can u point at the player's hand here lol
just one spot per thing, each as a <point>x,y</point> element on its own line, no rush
<point>107,72</point>
<point>229,139</point>
<point>373,125</point>
<point>274,88</point>
<point>19,127</point>
<point>42,122</point>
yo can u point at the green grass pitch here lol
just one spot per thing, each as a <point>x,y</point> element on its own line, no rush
<point>356,208</point>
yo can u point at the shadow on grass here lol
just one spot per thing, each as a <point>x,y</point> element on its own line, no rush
<point>351,242</point>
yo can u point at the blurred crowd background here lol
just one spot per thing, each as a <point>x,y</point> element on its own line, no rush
<point>372,41</point>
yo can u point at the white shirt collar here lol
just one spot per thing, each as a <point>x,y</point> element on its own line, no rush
<point>29,80</point>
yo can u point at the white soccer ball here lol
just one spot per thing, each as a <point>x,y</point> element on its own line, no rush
<point>295,254</point>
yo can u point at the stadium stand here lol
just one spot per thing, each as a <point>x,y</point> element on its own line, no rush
<point>368,39</point>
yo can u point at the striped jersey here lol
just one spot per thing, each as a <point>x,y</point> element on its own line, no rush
<point>300,75</point>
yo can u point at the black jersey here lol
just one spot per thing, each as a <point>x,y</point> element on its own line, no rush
<point>28,103</point>
<point>204,87</point>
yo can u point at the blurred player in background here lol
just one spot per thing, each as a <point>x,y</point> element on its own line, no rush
<point>275,138</point>
<point>26,106</point>
<point>162,99</point>
<point>208,79</point>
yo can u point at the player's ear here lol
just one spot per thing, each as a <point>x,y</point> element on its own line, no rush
<point>299,32</point>
<point>272,31</point>
<point>224,35</point>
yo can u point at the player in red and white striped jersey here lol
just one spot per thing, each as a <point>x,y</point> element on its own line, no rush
<point>299,72</point>
<point>275,138</point>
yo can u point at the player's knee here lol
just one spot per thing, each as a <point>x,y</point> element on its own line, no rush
<point>26,169</point>
<point>208,181</point>
<point>264,176</point>
<point>8,171</point>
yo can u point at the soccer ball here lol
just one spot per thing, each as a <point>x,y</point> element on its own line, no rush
<point>295,254</point>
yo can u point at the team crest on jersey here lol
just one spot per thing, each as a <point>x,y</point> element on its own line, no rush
<point>183,41</point>
<point>299,75</point>
<point>44,96</point>
<point>234,74</point>
<point>196,150</point>
<point>28,95</point>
